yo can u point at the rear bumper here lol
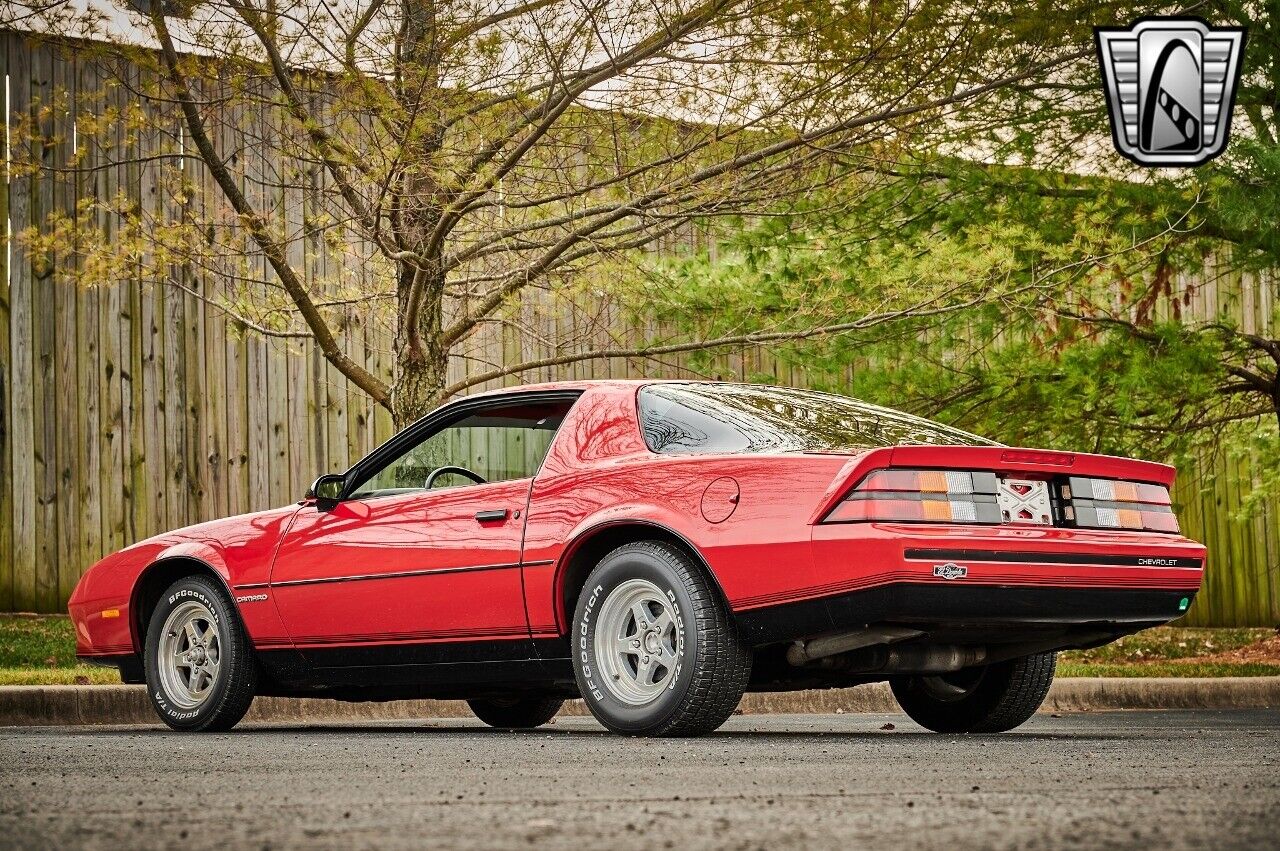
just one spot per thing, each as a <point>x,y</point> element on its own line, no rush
<point>1000,611</point>
<point>990,583</point>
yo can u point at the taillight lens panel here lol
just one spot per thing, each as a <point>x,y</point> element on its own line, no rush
<point>1112,504</point>
<point>971,497</point>
<point>921,496</point>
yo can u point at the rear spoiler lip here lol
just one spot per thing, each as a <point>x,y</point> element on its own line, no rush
<point>990,458</point>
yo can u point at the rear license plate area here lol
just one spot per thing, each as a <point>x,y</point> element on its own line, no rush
<point>1024,501</point>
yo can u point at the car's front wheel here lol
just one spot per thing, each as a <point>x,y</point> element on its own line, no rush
<point>518,712</point>
<point>199,664</point>
<point>655,651</point>
<point>988,699</point>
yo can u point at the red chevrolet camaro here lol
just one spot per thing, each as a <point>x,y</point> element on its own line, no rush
<point>657,548</point>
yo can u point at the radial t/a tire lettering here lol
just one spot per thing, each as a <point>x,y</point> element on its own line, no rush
<point>655,650</point>
<point>199,663</point>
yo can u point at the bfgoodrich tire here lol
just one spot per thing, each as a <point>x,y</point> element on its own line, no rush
<point>521,712</point>
<point>655,652</point>
<point>199,663</point>
<point>991,699</point>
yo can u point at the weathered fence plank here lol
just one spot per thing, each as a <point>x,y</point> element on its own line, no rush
<point>112,475</point>
<point>22,404</point>
<point>151,202</point>
<point>88,423</point>
<point>66,360</point>
<point>44,333</point>
<point>6,377</point>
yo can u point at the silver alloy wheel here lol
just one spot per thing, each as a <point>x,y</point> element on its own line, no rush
<point>638,642</point>
<point>189,656</point>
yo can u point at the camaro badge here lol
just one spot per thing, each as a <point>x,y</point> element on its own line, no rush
<point>950,570</point>
<point>1170,84</point>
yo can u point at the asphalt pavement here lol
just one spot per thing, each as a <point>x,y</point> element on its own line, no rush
<point>1177,779</point>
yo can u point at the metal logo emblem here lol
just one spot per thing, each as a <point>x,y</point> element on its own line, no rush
<point>1170,85</point>
<point>1024,501</point>
<point>950,570</point>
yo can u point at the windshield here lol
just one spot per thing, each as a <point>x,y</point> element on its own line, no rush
<point>702,418</point>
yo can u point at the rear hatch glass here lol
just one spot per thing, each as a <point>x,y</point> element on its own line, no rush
<point>698,418</point>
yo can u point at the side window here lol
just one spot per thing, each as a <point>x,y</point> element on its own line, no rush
<point>496,444</point>
<point>678,426</point>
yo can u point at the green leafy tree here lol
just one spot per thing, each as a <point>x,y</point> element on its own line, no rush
<point>1113,309</point>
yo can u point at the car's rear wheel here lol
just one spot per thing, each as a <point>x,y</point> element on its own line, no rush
<point>989,699</point>
<point>655,651</point>
<point>518,712</point>
<point>199,663</point>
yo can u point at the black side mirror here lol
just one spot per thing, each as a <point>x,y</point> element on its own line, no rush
<point>327,491</point>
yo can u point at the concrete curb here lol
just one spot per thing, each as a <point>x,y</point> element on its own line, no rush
<point>76,705</point>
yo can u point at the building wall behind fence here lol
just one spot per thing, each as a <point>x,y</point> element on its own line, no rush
<point>130,408</point>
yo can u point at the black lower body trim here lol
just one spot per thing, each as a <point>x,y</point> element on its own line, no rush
<point>444,669</point>
<point>952,606</point>
<point>129,665</point>
<point>419,653</point>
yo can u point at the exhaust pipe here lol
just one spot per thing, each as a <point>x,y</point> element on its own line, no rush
<point>832,645</point>
<point>919,659</point>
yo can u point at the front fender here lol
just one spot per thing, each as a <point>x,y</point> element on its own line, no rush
<point>103,606</point>
<point>207,554</point>
<point>245,585</point>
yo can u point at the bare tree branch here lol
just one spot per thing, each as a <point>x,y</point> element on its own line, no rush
<point>638,205</point>
<point>756,338</point>
<point>274,252</point>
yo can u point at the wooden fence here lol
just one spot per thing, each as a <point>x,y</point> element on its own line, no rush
<point>130,408</point>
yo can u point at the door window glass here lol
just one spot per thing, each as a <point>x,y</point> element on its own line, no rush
<point>496,444</point>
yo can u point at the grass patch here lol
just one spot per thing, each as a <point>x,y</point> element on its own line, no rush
<point>40,650</point>
<point>37,641</point>
<point>1166,643</point>
<point>1168,669</point>
<point>82,675</point>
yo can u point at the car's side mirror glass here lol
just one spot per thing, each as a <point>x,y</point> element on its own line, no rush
<point>327,491</point>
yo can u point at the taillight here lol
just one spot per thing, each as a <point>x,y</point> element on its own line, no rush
<point>940,496</point>
<point>1111,504</point>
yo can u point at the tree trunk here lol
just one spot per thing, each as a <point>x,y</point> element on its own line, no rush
<point>421,364</point>
<point>417,386</point>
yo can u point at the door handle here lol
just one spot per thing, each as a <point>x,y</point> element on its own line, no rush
<point>491,515</point>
